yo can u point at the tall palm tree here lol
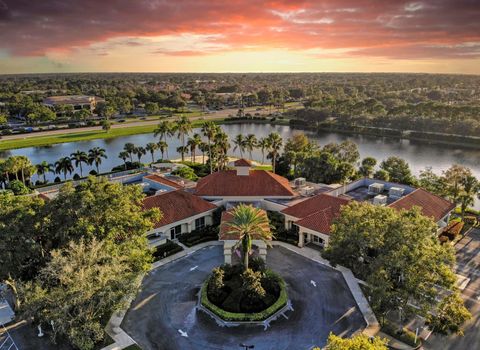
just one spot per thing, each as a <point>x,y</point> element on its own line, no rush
<point>263,144</point>
<point>182,150</point>
<point>248,223</point>
<point>239,142</point>
<point>129,148</point>
<point>164,129</point>
<point>221,148</point>
<point>124,156</point>
<point>79,157</point>
<point>203,147</point>
<point>151,147</point>
<point>95,156</point>
<point>64,165</point>
<point>140,151</point>
<point>193,143</point>
<point>183,127</point>
<point>25,166</point>
<point>43,168</point>
<point>275,144</point>
<point>162,146</point>
<point>250,144</point>
<point>209,130</point>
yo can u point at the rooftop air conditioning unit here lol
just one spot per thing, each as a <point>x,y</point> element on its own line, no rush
<point>300,182</point>
<point>160,191</point>
<point>380,200</point>
<point>396,192</point>
<point>376,188</point>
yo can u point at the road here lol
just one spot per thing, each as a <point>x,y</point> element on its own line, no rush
<point>208,116</point>
<point>163,315</point>
<point>468,263</point>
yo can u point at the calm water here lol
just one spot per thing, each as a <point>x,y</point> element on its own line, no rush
<point>418,154</point>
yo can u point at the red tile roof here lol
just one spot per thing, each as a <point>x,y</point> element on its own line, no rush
<point>163,180</point>
<point>242,162</point>
<point>321,221</point>
<point>432,206</point>
<point>315,204</point>
<point>257,184</point>
<point>177,205</point>
<point>227,216</point>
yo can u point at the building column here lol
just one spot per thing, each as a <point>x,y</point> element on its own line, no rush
<point>262,249</point>
<point>227,252</point>
<point>188,227</point>
<point>300,239</point>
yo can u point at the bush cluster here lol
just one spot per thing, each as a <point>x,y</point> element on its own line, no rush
<point>235,290</point>
<point>197,236</point>
<point>403,334</point>
<point>166,249</point>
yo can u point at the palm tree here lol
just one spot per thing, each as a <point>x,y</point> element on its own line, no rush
<point>95,156</point>
<point>263,143</point>
<point>183,127</point>
<point>124,156</point>
<point>250,143</point>
<point>209,130</point>
<point>64,165</point>
<point>129,148</point>
<point>151,147</point>
<point>79,157</point>
<point>203,147</point>
<point>275,144</point>
<point>248,223</point>
<point>25,166</point>
<point>164,129</point>
<point>162,146</point>
<point>43,168</point>
<point>182,150</point>
<point>239,142</point>
<point>193,143</point>
<point>221,148</point>
<point>140,151</point>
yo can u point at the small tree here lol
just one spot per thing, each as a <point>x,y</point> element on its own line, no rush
<point>358,342</point>
<point>252,284</point>
<point>449,315</point>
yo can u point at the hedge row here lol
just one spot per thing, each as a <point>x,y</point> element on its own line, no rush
<point>403,335</point>
<point>166,249</point>
<point>208,233</point>
<point>243,317</point>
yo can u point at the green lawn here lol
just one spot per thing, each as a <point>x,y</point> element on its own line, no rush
<point>81,136</point>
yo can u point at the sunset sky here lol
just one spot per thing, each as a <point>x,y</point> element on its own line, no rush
<point>239,36</point>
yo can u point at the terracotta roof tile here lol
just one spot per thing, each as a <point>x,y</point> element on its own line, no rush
<point>432,206</point>
<point>227,216</point>
<point>163,180</point>
<point>258,183</point>
<point>242,162</point>
<point>177,205</point>
<point>315,204</point>
<point>321,221</point>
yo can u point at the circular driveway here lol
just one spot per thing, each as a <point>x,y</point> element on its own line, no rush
<point>163,316</point>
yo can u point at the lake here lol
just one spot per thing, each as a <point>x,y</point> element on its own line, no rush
<point>418,154</point>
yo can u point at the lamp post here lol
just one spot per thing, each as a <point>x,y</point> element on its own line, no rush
<point>246,347</point>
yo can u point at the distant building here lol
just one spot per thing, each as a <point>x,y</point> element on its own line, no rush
<point>78,102</point>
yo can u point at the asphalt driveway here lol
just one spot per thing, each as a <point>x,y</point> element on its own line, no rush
<point>163,316</point>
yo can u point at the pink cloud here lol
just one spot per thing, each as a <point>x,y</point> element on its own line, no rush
<point>396,29</point>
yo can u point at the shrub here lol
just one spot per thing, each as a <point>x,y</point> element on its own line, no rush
<point>252,284</point>
<point>130,166</point>
<point>166,249</point>
<point>245,317</point>
<point>403,334</point>
<point>18,187</point>
<point>257,264</point>
<point>76,176</point>
<point>57,180</point>
<point>186,172</point>
<point>470,220</point>
<point>197,236</point>
<point>93,172</point>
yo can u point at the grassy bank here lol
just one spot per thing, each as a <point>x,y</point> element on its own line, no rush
<point>82,136</point>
